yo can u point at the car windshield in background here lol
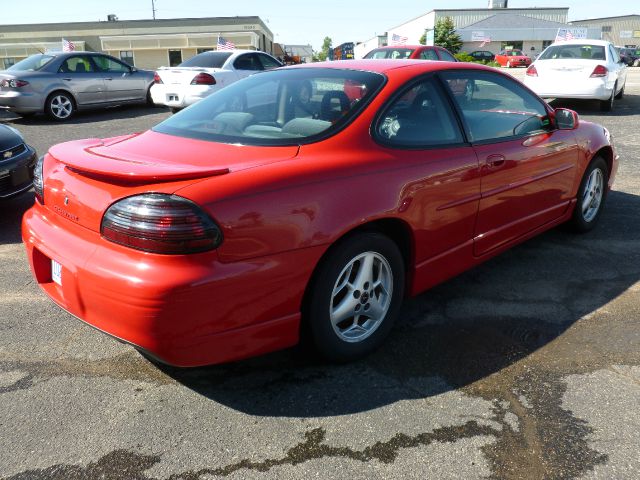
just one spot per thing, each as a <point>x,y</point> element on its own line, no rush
<point>392,53</point>
<point>280,107</point>
<point>207,60</point>
<point>514,53</point>
<point>34,62</point>
<point>584,52</point>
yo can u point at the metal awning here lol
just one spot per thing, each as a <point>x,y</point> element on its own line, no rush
<point>248,40</point>
<point>24,49</point>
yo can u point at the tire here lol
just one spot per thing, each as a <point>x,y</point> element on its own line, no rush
<point>591,196</point>
<point>364,277</point>
<point>607,105</point>
<point>149,100</point>
<point>60,106</point>
<point>620,94</point>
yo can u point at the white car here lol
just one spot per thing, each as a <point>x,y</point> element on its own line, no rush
<point>579,69</point>
<point>200,76</point>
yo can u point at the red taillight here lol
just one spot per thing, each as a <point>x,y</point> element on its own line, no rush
<point>599,71</point>
<point>156,78</point>
<point>531,71</point>
<point>160,223</point>
<point>203,79</point>
<point>13,83</point>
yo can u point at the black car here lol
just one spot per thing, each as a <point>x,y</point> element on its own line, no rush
<point>17,160</point>
<point>630,56</point>
<point>483,55</point>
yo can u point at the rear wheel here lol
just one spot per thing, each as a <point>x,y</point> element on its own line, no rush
<point>607,105</point>
<point>356,296</point>
<point>591,196</point>
<point>60,106</point>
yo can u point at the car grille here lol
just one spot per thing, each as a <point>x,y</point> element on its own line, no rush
<point>10,153</point>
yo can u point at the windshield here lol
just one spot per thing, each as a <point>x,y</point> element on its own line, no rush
<point>584,52</point>
<point>393,53</point>
<point>207,60</point>
<point>279,107</point>
<point>34,62</point>
<point>514,53</point>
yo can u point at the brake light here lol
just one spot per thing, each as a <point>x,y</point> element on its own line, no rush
<point>38,180</point>
<point>160,223</point>
<point>531,71</point>
<point>599,71</point>
<point>203,79</point>
<point>156,78</point>
<point>13,83</point>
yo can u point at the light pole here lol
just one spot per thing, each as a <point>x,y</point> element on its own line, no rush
<point>153,8</point>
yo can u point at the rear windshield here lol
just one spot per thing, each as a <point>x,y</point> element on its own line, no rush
<point>207,60</point>
<point>584,52</point>
<point>514,53</point>
<point>34,62</point>
<point>393,53</point>
<point>279,107</point>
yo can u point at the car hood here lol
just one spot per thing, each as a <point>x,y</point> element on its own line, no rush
<point>157,157</point>
<point>9,138</point>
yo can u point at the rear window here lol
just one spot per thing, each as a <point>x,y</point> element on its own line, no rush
<point>207,60</point>
<point>279,107</point>
<point>392,53</point>
<point>34,62</point>
<point>574,51</point>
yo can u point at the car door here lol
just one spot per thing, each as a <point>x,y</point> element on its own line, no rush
<point>617,67</point>
<point>247,64</point>
<point>78,74</point>
<point>121,81</point>
<point>418,130</point>
<point>528,167</point>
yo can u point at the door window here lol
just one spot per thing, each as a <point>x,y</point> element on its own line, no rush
<point>495,107</point>
<point>446,56</point>
<point>267,62</point>
<point>419,117</point>
<point>76,65</point>
<point>106,64</point>
<point>428,55</point>
<point>249,61</point>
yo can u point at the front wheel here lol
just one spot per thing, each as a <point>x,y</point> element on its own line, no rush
<point>356,296</point>
<point>60,106</point>
<point>591,196</point>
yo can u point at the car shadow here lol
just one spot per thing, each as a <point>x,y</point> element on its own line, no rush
<point>89,116</point>
<point>454,335</point>
<point>627,106</point>
<point>11,211</point>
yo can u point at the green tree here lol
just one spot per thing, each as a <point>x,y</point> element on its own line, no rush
<point>323,54</point>
<point>445,35</point>
<point>423,39</point>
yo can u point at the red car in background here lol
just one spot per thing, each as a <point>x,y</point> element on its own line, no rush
<point>512,58</point>
<point>259,213</point>
<point>416,52</point>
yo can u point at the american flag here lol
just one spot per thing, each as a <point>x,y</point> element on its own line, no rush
<point>68,46</point>
<point>398,40</point>
<point>224,44</point>
<point>485,41</point>
<point>564,34</point>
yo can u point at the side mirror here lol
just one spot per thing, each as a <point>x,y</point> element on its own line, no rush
<point>566,119</point>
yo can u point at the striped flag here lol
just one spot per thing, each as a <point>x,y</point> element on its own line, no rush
<point>398,40</point>
<point>485,41</point>
<point>68,46</point>
<point>224,44</point>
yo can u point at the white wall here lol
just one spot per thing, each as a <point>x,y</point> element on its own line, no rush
<point>365,47</point>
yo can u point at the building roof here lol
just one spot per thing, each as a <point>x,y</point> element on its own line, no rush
<point>604,18</point>
<point>510,21</point>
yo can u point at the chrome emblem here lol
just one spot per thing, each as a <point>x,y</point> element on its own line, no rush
<point>66,200</point>
<point>7,154</point>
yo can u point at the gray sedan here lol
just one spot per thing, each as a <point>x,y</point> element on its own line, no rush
<point>58,84</point>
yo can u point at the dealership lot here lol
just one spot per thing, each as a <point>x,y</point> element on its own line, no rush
<point>525,367</point>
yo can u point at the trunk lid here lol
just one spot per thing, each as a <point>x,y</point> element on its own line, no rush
<point>183,75</point>
<point>569,70</point>
<point>83,178</point>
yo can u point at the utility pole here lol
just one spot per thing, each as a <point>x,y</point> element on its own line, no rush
<point>153,8</point>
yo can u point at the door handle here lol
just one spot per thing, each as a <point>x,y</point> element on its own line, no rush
<point>67,79</point>
<point>108,78</point>
<point>495,160</point>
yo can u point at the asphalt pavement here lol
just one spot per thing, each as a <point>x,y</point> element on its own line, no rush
<point>527,367</point>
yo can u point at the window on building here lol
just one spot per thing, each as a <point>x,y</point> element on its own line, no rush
<point>513,45</point>
<point>546,43</point>
<point>606,28</point>
<point>202,50</point>
<point>8,62</point>
<point>127,57</point>
<point>175,58</point>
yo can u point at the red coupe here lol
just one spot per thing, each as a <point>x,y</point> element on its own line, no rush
<point>512,58</point>
<point>307,199</point>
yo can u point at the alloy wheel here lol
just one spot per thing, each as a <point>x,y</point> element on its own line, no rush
<point>61,106</point>
<point>592,197</point>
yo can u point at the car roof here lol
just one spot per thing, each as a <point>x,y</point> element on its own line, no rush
<point>386,65</point>
<point>393,47</point>
<point>583,41</point>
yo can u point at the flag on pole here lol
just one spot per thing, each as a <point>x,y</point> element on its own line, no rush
<point>485,41</point>
<point>68,46</point>
<point>566,34</point>
<point>398,40</point>
<point>224,44</point>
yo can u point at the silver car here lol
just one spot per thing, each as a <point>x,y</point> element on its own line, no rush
<point>58,84</point>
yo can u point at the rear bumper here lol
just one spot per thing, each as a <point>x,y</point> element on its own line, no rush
<point>179,96</point>
<point>590,89</point>
<point>186,310</point>
<point>20,102</point>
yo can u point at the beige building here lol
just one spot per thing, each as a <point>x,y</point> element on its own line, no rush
<point>621,31</point>
<point>143,43</point>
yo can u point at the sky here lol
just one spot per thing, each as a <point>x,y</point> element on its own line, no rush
<point>291,21</point>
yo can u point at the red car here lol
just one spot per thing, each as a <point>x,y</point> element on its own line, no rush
<point>512,58</point>
<point>232,227</point>
<point>416,52</point>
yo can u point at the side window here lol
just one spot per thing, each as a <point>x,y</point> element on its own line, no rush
<point>267,62</point>
<point>76,65</point>
<point>495,107</point>
<point>420,117</point>
<point>615,58</point>
<point>446,56</point>
<point>248,62</point>
<point>106,64</point>
<point>429,55</point>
